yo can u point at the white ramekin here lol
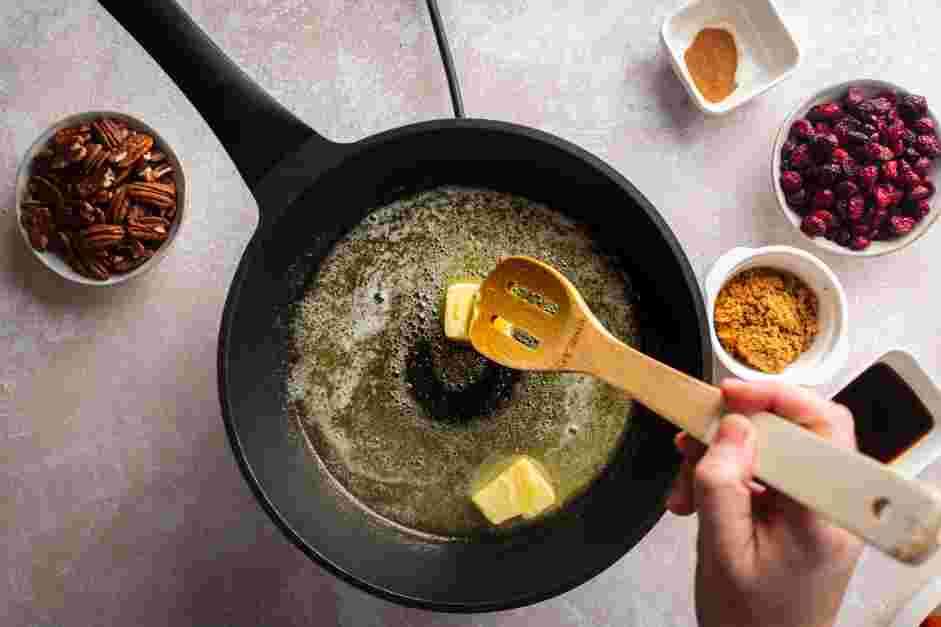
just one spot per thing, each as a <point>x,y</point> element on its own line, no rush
<point>830,349</point>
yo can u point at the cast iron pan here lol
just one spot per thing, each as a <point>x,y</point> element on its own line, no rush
<point>310,192</point>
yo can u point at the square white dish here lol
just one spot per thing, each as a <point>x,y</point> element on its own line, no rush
<point>768,52</point>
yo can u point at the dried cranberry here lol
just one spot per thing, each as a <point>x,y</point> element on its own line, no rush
<point>787,149</point>
<point>857,137</point>
<point>878,217</point>
<point>850,167</point>
<point>874,151</point>
<point>800,158</point>
<point>890,171</point>
<point>876,106</point>
<point>922,208</point>
<point>922,191</point>
<point>840,155</point>
<point>909,179</point>
<point>908,137</point>
<point>791,181</point>
<point>825,112</point>
<point>854,97</point>
<point>868,176</point>
<point>842,130</point>
<point>913,107</point>
<point>923,126</point>
<point>883,195</point>
<point>859,243</point>
<point>911,155</point>
<point>891,96</point>
<point>822,128</point>
<point>823,199</point>
<point>813,226</point>
<point>893,132</point>
<point>828,218</point>
<point>828,174</point>
<point>824,145</point>
<point>798,199</point>
<point>855,209</point>
<point>845,189</point>
<point>922,166</point>
<point>840,208</point>
<point>862,230</point>
<point>897,148</point>
<point>900,225</point>
<point>928,146</point>
<point>802,130</point>
<point>843,237</point>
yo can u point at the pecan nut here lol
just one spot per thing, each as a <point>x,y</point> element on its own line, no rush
<point>101,236</point>
<point>111,132</point>
<point>135,147</point>
<point>117,210</point>
<point>160,195</point>
<point>149,229</point>
<point>37,220</point>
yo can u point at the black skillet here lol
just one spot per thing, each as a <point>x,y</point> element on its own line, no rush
<point>310,192</point>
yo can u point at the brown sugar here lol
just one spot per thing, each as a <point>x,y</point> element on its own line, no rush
<point>766,318</point>
<point>712,60</point>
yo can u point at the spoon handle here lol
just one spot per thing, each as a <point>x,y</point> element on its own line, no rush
<point>900,516</point>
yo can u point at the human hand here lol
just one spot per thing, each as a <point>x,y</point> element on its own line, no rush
<point>764,560</point>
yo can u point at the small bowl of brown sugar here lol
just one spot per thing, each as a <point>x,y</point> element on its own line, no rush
<point>777,314</point>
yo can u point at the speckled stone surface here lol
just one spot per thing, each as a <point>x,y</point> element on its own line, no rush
<point>120,503</point>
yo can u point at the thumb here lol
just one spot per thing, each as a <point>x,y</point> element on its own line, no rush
<point>723,498</point>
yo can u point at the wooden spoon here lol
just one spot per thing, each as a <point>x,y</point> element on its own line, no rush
<point>553,329</point>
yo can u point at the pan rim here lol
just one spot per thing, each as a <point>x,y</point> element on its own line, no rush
<point>351,150</point>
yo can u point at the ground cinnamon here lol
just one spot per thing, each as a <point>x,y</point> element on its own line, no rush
<point>712,60</point>
<point>766,318</point>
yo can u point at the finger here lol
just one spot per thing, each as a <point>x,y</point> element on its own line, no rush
<point>721,491</point>
<point>824,417</point>
<point>680,501</point>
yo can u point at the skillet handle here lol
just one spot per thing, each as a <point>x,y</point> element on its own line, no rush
<point>255,130</point>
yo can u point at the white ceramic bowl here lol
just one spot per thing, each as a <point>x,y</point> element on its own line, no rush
<point>56,263</point>
<point>829,351</point>
<point>768,53</point>
<point>836,92</point>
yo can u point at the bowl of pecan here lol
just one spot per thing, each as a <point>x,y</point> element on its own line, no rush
<point>854,168</point>
<point>100,197</point>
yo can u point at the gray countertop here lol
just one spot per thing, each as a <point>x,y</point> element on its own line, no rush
<point>120,503</point>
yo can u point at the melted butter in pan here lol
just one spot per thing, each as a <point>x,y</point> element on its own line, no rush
<point>403,418</point>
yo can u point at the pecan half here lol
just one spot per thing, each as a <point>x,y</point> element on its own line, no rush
<point>160,195</point>
<point>117,210</point>
<point>46,191</point>
<point>111,132</point>
<point>37,221</point>
<point>97,155</point>
<point>148,229</point>
<point>135,147</point>
<point>87,213</point>
<point>96,267</point>
<point>71,135</point>
<point>100,236</point>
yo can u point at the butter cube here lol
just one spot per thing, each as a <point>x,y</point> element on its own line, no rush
<point>460,305</point>
<point>520,490</point>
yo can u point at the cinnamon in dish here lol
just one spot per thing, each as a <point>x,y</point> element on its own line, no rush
<point>712,60</point>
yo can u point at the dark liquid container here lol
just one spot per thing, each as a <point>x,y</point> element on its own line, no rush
<point>890,418</point>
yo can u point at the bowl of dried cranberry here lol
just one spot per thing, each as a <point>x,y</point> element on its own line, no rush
<point>100,196</point>
<point>854,168</point>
